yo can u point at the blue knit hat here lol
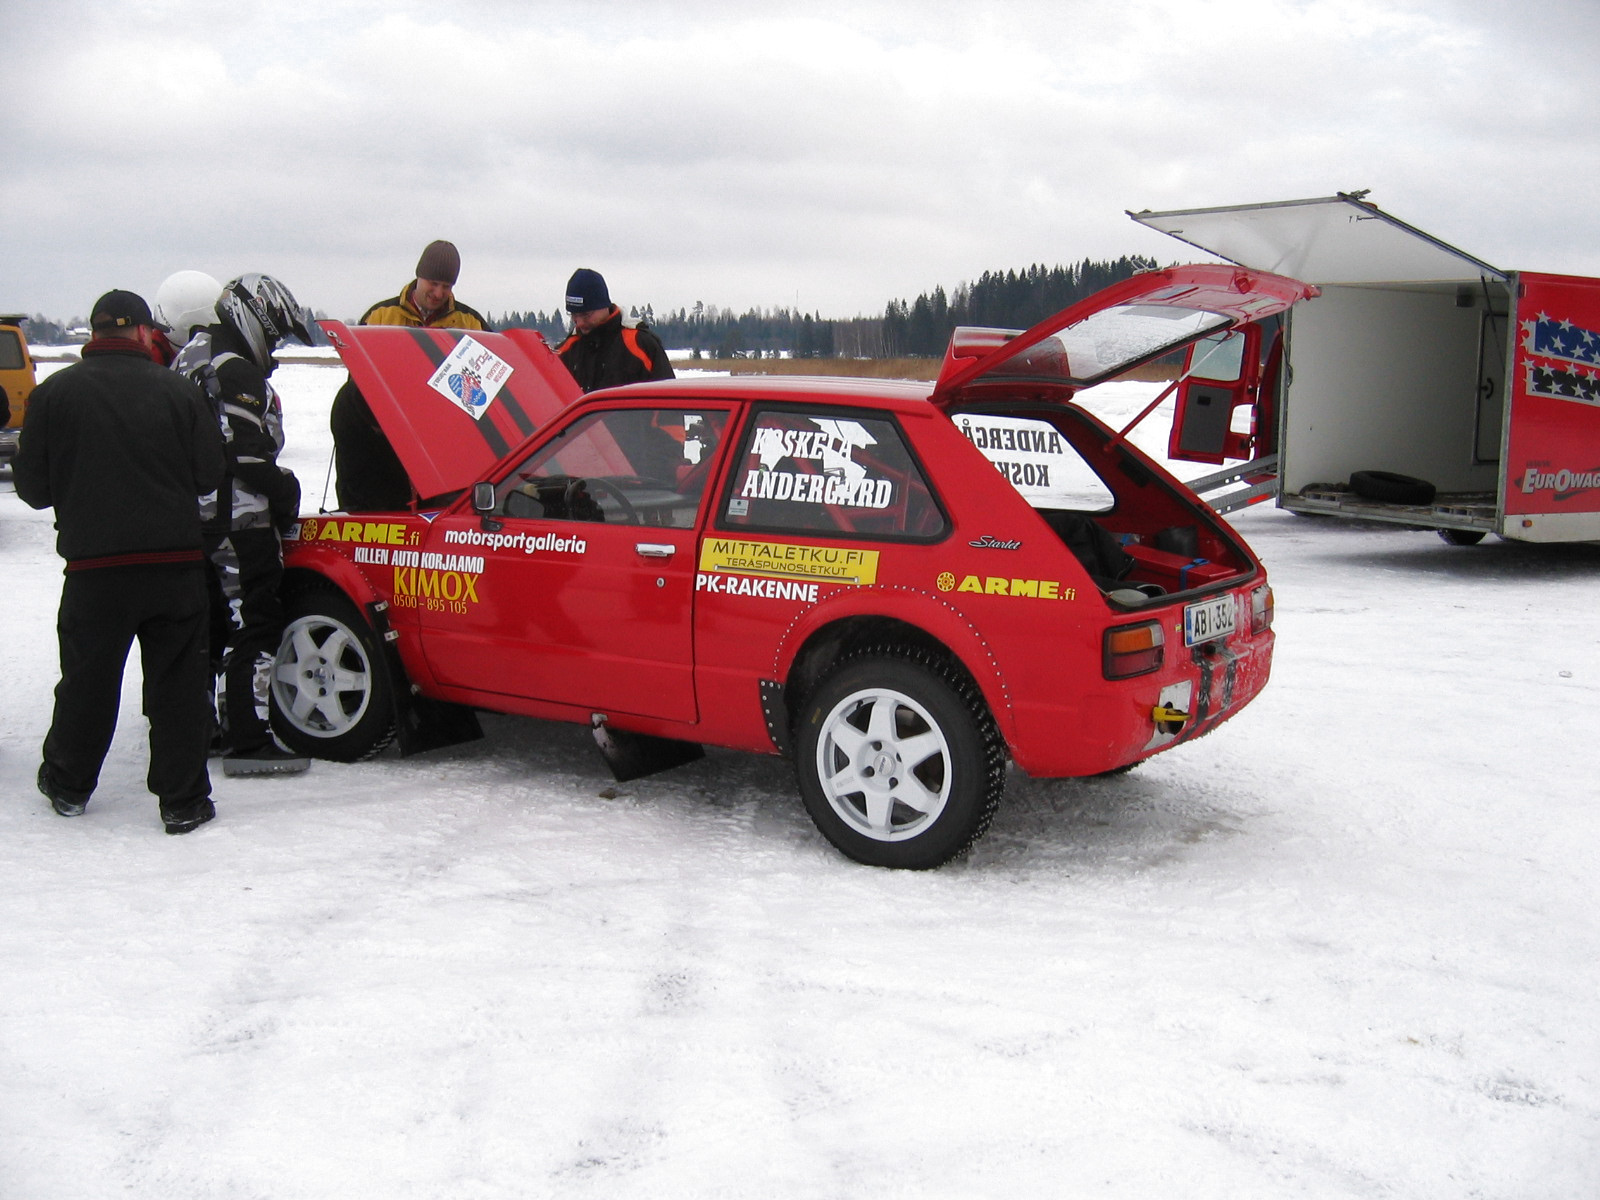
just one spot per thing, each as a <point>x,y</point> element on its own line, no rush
<point>586,290</point>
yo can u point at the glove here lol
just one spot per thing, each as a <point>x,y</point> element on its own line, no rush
<point>286,504</point>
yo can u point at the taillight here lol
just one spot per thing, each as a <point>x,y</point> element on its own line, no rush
<point>1261,609</point>
<point>1131,650</point>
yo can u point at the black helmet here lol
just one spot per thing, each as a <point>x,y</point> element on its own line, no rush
<point>264,313</point>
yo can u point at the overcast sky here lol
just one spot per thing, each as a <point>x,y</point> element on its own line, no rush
<point>828,159</point>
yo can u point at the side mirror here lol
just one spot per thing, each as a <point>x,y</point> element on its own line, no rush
<point>483,505</point>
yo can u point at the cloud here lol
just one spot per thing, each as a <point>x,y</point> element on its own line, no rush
<point>829,159</point>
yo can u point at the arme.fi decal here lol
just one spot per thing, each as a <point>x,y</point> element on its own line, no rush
<point>368,533</point>
<point>999,585</point>
<point>832,564</point>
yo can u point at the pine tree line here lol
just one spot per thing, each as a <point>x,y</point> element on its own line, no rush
<point>919,328</point>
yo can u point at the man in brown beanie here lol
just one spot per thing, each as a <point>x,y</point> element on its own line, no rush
<point>370,476</point>
<point>429,299</point>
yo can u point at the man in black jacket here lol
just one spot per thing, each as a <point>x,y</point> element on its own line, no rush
<point>123,449</point>
<point>604,349</point>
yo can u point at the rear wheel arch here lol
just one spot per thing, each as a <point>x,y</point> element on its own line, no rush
<point>808,653</point>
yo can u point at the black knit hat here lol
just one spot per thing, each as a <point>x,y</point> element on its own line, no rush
<point>440,263</point>
<point>118,309</point>
<point>586,291</point>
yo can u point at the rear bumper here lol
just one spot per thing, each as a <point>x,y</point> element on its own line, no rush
<point>1111,724</point>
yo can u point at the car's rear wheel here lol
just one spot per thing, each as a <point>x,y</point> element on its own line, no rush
<point>332,696</point>
<point>1461,537</point>
<point>900,763</point>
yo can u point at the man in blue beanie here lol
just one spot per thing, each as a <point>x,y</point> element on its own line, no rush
<point>605,349</point>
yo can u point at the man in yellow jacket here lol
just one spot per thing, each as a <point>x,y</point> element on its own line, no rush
<point>370,476</point>
<point>429,301</point>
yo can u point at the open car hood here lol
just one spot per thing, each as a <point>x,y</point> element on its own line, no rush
<point>1335,239</point>
<point>1128,323</point>
<point>453,402</point>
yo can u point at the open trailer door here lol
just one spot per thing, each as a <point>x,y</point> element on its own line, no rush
<point>1552,465</point>
<point>1224,400</point>
<point>1339,239</point>
<point>1396,374</point>
<point>1329,241</point>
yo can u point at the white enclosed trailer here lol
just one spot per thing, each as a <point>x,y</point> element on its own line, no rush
<point>1423,387</point>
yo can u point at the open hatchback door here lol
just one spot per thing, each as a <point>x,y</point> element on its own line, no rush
<point>453,402</point>
<point>1139,319</point>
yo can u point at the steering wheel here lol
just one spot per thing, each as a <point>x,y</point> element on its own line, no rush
<point>578,486</point>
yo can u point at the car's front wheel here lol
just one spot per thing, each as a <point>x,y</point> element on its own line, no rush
<point>332,696</point>
<point>899,760</point>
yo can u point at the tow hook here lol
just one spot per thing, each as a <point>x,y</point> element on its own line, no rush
<point>1168,719</point>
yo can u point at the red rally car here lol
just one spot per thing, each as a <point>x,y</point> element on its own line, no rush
<point>898,585</point>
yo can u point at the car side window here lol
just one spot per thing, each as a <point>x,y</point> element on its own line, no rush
<point>838,474</point>
<point>1034,457</point>
<point>621,466</point>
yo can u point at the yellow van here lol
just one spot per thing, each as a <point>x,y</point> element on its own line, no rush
<point>16,382</point>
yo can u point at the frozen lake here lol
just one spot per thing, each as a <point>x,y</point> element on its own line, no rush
<point>1344,947</point>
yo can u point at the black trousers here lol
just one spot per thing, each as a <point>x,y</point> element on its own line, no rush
<point>102,613</point>
<point>246,626</point>
<point>370,476</point>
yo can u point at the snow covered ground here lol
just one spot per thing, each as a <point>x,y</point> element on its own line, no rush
<point>1344,947</point>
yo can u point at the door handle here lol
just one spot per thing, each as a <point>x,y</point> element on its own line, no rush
<point>655,549</point>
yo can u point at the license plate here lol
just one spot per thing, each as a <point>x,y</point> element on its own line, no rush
<point>1208,620</point>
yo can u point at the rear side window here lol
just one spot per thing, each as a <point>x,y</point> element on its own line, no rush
<point>1041,464</point>
<point>839,474</point>
<point>10,350</point>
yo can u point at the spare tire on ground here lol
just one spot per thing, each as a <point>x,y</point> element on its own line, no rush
<point>1392,488</point>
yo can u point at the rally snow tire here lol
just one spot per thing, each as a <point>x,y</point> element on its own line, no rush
<point>899,760</point>
<point>332,695</point>
<point>1389,488</point>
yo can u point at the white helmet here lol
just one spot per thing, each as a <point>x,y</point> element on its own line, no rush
<point>185,300</point>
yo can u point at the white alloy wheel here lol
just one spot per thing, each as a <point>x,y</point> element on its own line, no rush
<point>884,764</point>
<point>323,677</point>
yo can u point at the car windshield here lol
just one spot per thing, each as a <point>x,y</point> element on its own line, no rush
<point>1107,342</point>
